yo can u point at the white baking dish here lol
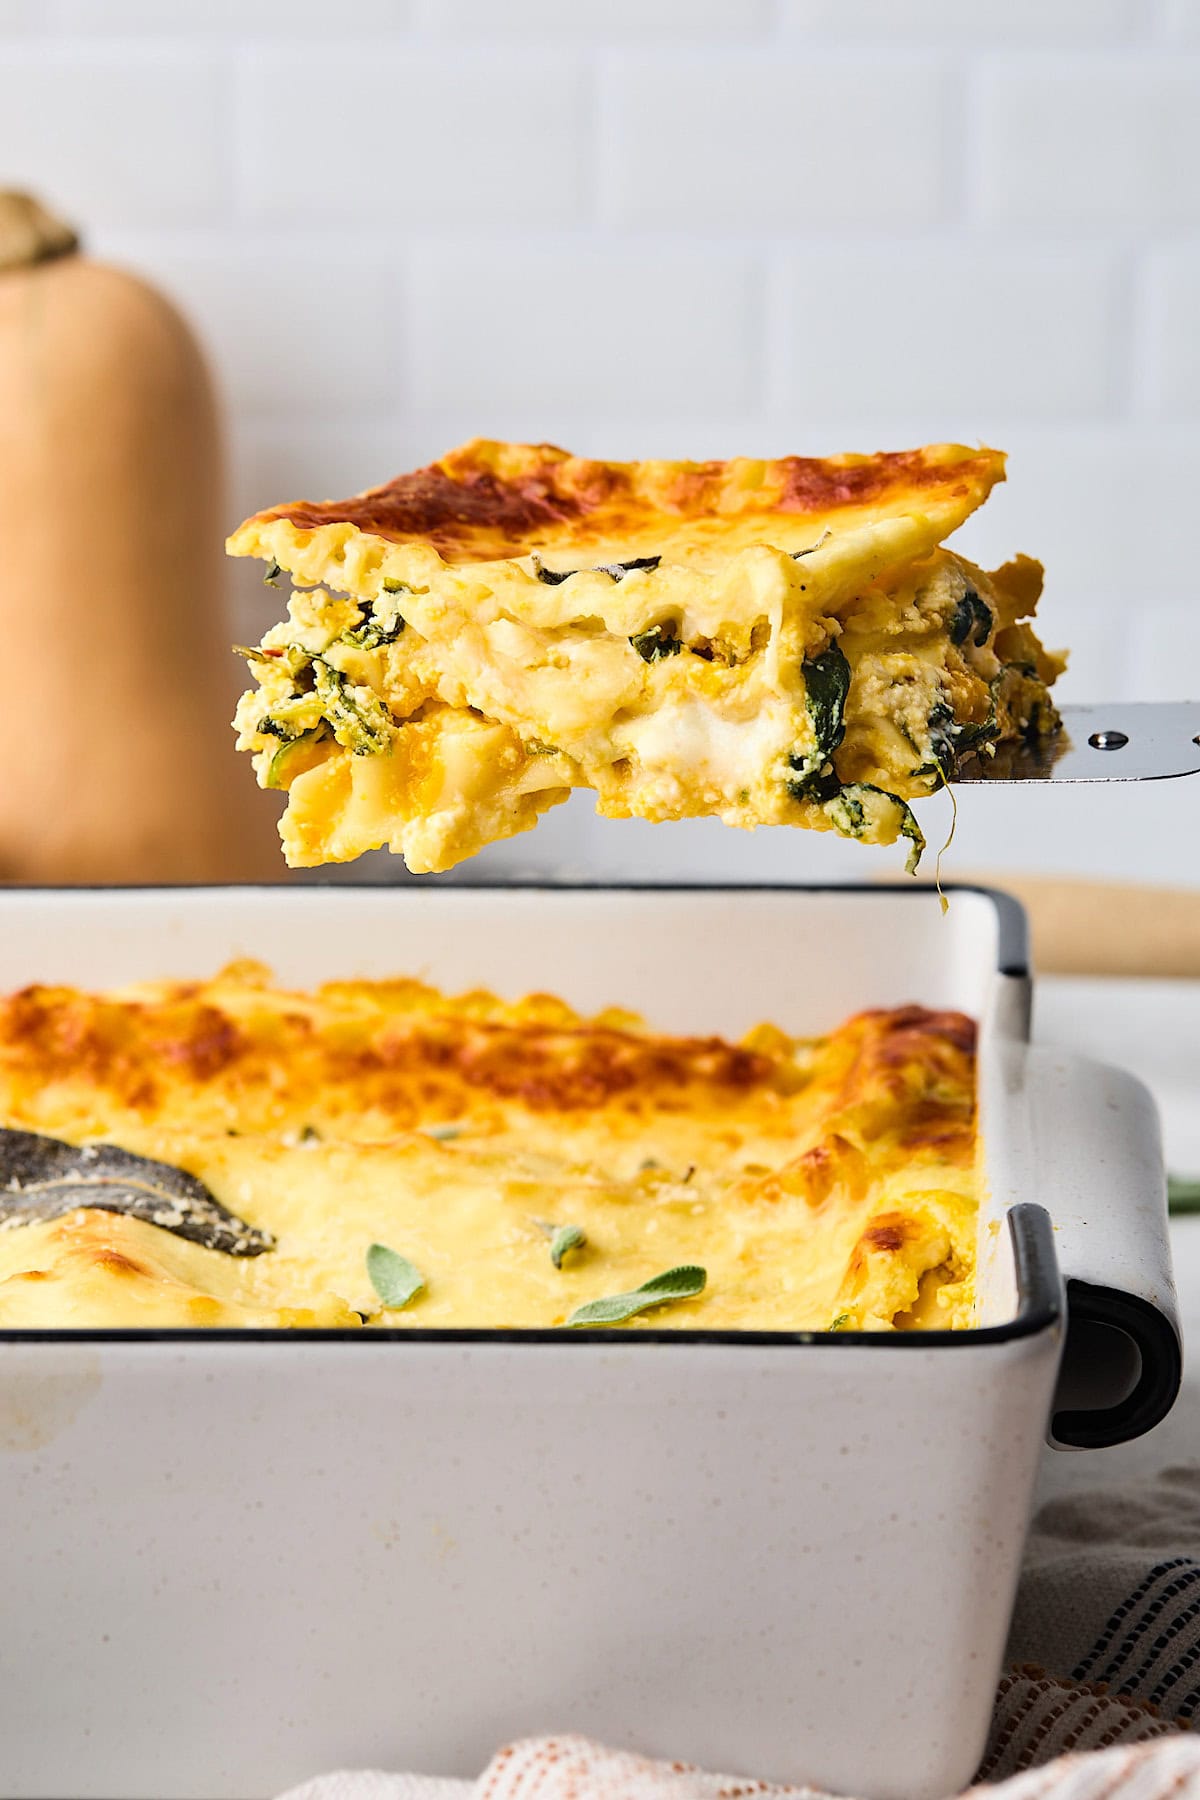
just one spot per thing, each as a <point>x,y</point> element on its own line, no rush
<point>230,1560</point>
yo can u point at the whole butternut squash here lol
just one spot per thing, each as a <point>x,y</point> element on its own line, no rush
<point>116,759</point>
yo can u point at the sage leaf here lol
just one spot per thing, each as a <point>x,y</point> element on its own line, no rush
<point>1183,1194</point>
<point>566,1237</point>
<point>683,1283</point>
<point>394,1278</point>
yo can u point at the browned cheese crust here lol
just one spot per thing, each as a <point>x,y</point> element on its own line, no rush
<point>488,501</point>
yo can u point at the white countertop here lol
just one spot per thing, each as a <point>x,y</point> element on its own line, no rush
<point>1153,1029</point>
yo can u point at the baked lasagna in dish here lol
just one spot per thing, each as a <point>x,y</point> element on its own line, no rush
<point>778,642</point>
<point>225,1153</point>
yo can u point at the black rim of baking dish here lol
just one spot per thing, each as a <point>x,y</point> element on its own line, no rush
<point>1041,1305</point>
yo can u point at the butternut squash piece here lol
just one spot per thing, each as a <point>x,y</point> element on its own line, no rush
<point>117,682</point>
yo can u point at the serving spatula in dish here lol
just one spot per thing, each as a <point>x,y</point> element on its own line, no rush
<point>1134,741</point>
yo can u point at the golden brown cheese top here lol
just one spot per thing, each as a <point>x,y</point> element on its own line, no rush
<point>488,501</point>
<point>814,1179</point>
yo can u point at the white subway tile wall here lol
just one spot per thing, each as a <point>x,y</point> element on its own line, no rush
<point>688,227</point>
<point>773,143</point>
<point>531,334</point>
<point>1089,143</point>
<point>1172,337</point>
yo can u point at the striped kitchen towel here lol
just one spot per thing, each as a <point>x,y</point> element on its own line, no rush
<point>1105,1641</point>
<point>1097,1703</point>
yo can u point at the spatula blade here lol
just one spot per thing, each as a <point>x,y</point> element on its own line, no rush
<point>1131,741</point>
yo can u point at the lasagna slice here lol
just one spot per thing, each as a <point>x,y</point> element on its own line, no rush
<point>769,643</point>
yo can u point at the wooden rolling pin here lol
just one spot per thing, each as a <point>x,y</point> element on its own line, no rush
<point>1105,928</point>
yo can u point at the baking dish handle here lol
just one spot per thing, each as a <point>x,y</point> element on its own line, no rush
<point>1096,1164</point>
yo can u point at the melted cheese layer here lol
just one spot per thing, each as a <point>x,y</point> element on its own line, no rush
<point>818,1181</point>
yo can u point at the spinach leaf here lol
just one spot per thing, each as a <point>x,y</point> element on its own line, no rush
<point>942,739</point>
<point>819,784</point>
<point>949,739</point>
<point>971,615</point>
<point>394,1278</point>
<point>290,659</point>
<point>847,814</point>
<point>381,623</point>
<point>970,736</point>
<point>912,831</point>
<point>683,1283</point>
<point>370,633</point>
<point>551,577</point>
<point>618,570</point>
<point>272,575</point>
<point>289,719</point>
<point>826,684</point>
<point>291,758</point>
<point>360,722</point>
<point>656,643</point>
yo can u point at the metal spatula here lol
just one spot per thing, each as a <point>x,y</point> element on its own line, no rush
<point>1138,741</point>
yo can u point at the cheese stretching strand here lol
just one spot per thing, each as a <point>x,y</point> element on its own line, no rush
<point>769,643</point>
<point>826,1182</point>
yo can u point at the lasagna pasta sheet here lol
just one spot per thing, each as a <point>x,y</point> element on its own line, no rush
<point>766,642</point>
<point>820,1183</point>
